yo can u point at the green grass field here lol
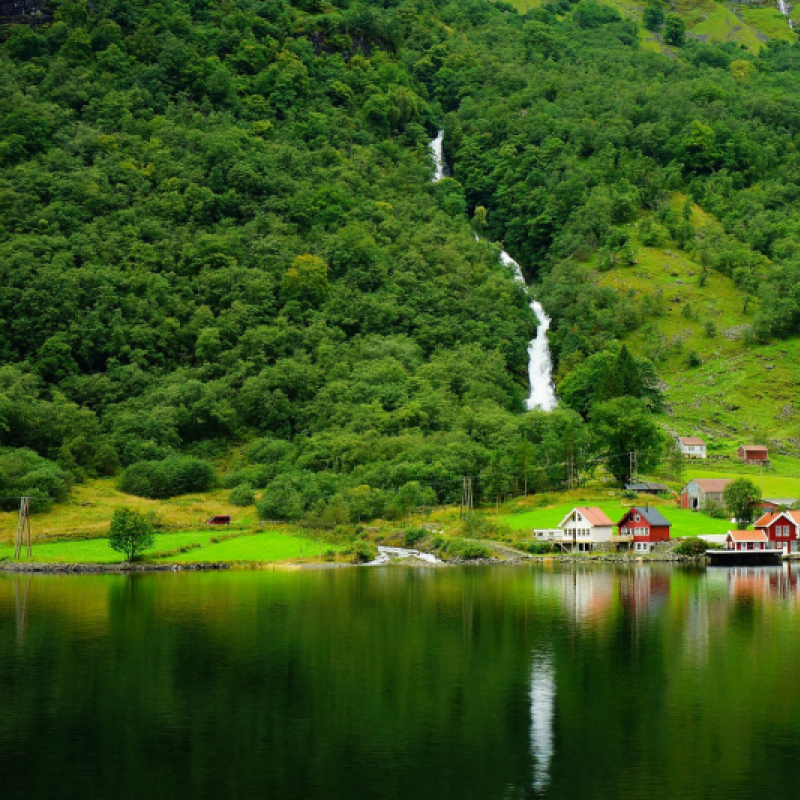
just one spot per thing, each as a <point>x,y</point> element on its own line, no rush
<point>684,523</point>
<point>269,546</point>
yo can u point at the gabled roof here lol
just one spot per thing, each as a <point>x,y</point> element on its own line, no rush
<point>713,485</point>
<point>691,440</point>
<point>767,520</point>
<point>593,515</point>
<point>748,536</point>
<point>651,515</point>
<point>756,448</point>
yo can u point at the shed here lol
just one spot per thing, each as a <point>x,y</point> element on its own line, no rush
<point>219,519</point>
<point>699,492</point>
<point>646,487</point>
<point>754,454</point>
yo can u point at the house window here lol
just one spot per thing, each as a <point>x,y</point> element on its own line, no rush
<point>638,518</point>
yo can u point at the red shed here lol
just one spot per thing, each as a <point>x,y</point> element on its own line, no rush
<point>754,454</point>
<point>646,525</point>
<point>746,540</point>
<point>782,528</point>
<point>219,519</point>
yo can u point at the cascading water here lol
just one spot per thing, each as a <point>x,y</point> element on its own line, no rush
<point>785,8</point>
<point>540,366</point>
<point>439,165</point>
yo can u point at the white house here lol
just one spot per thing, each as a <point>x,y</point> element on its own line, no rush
<point>585,527</point>
<point>692,447</point>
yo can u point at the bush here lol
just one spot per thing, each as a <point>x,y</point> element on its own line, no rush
<point>413,535</point>
<point>692,547</point>
<point>364,551</point>
<point>168,478</point>
<point>242,495</point>
<point>693,359</point>
<point>23,472</point>
<point>535,548</point>
<point>465,549</point>
<point>716,511</point>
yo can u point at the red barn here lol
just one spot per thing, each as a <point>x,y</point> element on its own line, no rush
<point>746,540</point>
<point>754,454</point>
<point>646,525</point>
<point>782,528</point>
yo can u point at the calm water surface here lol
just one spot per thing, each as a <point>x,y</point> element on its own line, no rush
<point>601,682</point>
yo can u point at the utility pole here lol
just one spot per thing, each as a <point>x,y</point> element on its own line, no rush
<point>467,504</point>
<point>633,468</point>
<point>23,535</point>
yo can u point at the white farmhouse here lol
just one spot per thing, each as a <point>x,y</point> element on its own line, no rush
<point>692,447</point>
<point>585,527</point>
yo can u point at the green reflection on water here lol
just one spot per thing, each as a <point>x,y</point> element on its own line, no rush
<point>643,682</point>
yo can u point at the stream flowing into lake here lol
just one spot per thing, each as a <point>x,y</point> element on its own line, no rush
<point>533,681</point>
<point>540,366</point>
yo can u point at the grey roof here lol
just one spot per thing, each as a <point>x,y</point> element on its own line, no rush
<point>652,516</point>
<point>646,486</point>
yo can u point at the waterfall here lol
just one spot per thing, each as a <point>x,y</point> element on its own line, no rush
<point>540,366</point>
<point>440,167</point>
<point>784,8</point>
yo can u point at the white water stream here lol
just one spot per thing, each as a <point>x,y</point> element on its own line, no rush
<point>785,8</point>
<point>540,366</point>
<point>387,554</point>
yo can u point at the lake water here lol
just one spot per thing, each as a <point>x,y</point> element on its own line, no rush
<point>515,682</point>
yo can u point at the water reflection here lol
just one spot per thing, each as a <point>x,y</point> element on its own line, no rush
<point>643,682</point>
<point>543,700</point>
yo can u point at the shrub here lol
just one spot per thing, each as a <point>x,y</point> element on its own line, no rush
<point>536,548</point>
<point>168,478</point>
<point>242,495</point>
<point>692,547</point>
<point>693,359</point>
<point>716,511</point>
<point>23,472</point>
<point>130,533</point>
<point>364,551</point>
<point>465,549</point>
<point>413,535</point>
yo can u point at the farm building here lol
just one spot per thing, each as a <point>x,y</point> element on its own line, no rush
<point>699,492</point>
<point>746,540</point>
<point>643,527</point>
<point>692,447</point>
<point>782,529</point>
<point>771,504</point>
<point>754,454</point>
<point>646,487</point>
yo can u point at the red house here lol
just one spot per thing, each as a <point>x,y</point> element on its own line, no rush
<point>754,454</point>
<point>646,525</point>
<point>782,528</point>
<point>746,540</point>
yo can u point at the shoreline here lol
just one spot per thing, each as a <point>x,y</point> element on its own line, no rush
<point>88,568</point>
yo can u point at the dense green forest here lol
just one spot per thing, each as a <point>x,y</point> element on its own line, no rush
<point>218,229</point>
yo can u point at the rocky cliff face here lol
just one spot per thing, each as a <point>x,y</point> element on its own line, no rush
<point>24,9</point>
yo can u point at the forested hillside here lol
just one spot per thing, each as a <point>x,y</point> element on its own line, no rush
<point>218,230</point>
